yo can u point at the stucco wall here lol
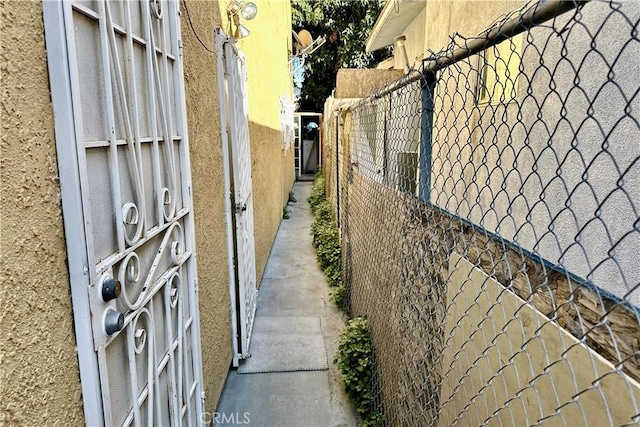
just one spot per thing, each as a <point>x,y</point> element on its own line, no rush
<point>268,189</point>
<point>288,174</point>
<point>414,45</point>
<point>359,83</point>
<point>555,137</point>
<point>203,119</point>
<point>267,57</point>
<point>550,113</point>
<point>39,378</point>
<point>431,29</point>
<point>444,18</point>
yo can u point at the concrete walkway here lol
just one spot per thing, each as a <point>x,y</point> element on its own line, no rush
<point>293,285</point>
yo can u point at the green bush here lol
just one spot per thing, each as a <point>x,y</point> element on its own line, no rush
<point>286,213</point>
<point>326,240</point>
<point>317,192</point>
<point>292,197</point>
<point>339,296</point>
<point>355,360</point>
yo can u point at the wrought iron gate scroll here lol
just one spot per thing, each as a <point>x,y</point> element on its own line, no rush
<point>118,94</point>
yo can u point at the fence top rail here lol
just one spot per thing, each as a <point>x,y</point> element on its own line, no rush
<point>530,15</point>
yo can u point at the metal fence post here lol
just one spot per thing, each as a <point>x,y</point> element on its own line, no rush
<point>426,129</point>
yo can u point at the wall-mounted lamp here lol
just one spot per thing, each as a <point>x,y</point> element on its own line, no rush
<point>241,9</point>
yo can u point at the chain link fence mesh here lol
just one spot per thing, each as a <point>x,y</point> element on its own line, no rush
<point>489,215</point>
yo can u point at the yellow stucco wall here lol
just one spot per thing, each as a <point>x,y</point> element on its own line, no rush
<point>205,149</point>
<point>39,376</point>
<point>267,58</point>
<point>267,51</point>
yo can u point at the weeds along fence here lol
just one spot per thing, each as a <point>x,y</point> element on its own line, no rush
<point>489,211</point>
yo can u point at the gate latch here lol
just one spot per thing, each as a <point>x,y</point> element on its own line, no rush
<point>239,207</point>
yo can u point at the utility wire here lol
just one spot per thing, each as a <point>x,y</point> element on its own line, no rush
<point>193,28</point>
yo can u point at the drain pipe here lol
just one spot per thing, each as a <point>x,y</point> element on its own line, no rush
<point>401,50</point>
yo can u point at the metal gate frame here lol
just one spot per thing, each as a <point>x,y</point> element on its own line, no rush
<point>243,290</point>
<point>57,16</point>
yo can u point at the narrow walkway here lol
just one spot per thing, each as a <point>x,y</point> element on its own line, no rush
<point>293,286</point>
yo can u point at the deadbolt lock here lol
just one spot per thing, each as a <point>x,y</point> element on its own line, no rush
<point>111,288</point>
<point>113,321</point>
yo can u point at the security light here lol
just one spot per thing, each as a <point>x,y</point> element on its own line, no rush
<point>243,31</point>
<point>245,9</point>
<point>248,10</point>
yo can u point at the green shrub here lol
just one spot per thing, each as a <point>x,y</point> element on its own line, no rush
<point>355,360</point>
<point>317,192</point>
<point>286,213</point>
<point>339,296</point>
<point>326,240</point>
<point>292,197</point>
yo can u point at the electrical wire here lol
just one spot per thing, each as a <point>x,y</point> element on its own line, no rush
<point>193,28</point>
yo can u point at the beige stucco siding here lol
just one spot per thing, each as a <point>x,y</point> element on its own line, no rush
<point>39,377</point>
<point>533,133</point>
<point>468,18</point>
<point>203,119</point>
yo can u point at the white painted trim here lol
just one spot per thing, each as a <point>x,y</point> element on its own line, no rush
<point>73,214</point>
<point>221,38</point>
<point>394,18</point>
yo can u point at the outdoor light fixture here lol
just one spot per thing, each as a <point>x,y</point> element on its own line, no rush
<point>242,31</point>
<point>241,9</point>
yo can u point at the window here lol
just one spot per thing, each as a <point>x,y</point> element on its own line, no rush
<point>500,67</point>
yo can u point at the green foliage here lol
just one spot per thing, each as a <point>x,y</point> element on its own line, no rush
<point>326,240</point>
<point>339,297</point>
<point>317,192</point>
<point>346,23</point>
<point>292,197</point>
<point>355,360</point>
<point>286,213</point>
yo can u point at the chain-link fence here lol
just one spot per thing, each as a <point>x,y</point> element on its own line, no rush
<point>489,209</point>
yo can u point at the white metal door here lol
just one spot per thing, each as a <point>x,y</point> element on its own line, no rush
<point>298,131</point>
<point>117,88</point>
<point>237,153</point>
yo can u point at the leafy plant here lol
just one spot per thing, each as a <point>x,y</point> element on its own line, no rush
<point>355,359</point>
<point>292,197</point>
<point>317,192</point>
<point>339,297</point>
<point>286,213</point>
<point>326,240</point>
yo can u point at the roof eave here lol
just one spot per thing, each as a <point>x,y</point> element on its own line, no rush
<point>394,18</point>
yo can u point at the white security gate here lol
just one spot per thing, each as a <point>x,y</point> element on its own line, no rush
<point>117,89</point>
<point>237,159</point>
